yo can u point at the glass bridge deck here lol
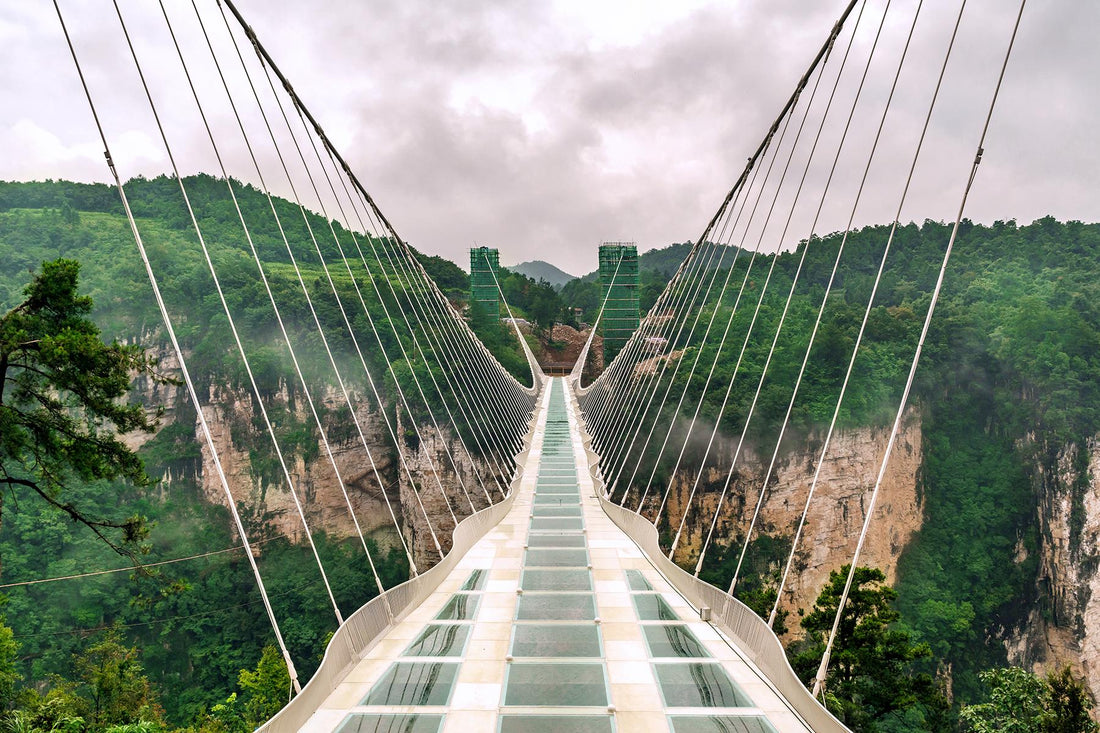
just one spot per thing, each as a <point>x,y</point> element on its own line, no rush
<point>555,621</point>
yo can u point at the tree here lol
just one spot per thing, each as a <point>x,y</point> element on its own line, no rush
<point>1021,702</point>
<point>872,684</point>
<point>61,408</point>
<point>266,689</point>
<point>113,684</point>
<point>544,307</point>
<point>9,675</point>
<point>1069,704</point>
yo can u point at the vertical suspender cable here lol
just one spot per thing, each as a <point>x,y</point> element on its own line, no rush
<point>240,346</point>
<point>823,669</point>
<point>205,427</point>
<point>286,242</point>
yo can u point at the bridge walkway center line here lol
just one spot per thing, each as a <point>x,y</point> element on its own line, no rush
<point>554,621</point>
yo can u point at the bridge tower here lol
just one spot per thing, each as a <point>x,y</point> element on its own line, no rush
<point>484,264</point>
<point>619,293</point>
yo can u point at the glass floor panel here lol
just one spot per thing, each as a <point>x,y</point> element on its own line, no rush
<point>651,607</point>
<point>476,581</point>
<point>440,640</point>
<point>552,510</point>
<point>721,724</point>
<point>556,640</point>
<point>461,607</point>
<point>381,723</point>
<point>555,540</point>
<point>637,581</point>
<point>572,498</point>
<point>556,558</point>
<point>558,490</point>
<point>556,607</point>
<point>540,524</point>
<point>556,724</point>
<point>414,683</point>
<point>556,580</point>
<point>699,685</point>
<point>559,685</point>
<point>672,641</point>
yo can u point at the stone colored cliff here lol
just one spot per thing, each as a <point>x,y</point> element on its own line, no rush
<point>1064,627</point>
<point>375,479</point>
<point>836,514</point>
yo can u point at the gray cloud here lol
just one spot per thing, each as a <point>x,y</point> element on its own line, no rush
<point>543,128</point>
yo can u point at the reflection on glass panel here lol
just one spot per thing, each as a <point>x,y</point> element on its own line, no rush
<point>556,640</point>
<point>672,641</point>
<point>556,510</point>
<point>559,685</point>
<point>556,580</point>
<point>440,640</point>
<point>414,683</point>
<point>699,685</point>
<point>382,723</point>
<point>557,491</point>
<point>459,608</point>
<point>572,498</point>
<point>555,540</point>
<point>637,581</point>
<point>651,607</point>
<point>556,607</point>
<point>556,724</point>
<point>556,558</point>
<point>721,724</point>
<point>476,580</point>
<point>540,524</point>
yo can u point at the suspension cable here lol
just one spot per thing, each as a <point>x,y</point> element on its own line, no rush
<point>221,296</point>
<point>836,263</point>
<point>188,382</point>
<point>286,242</point>
<point>282,326</point>
<point>822,670</point>
<point>748,334</point>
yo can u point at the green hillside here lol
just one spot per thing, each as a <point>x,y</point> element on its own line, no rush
<point>198,622</point>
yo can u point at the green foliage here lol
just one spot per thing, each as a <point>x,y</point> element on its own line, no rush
<point>1020,702</point>
<point>265,688</point>
<point>112,686</point>
<point>871,684</point>
<point>9,672</point>
<point>61,413</point>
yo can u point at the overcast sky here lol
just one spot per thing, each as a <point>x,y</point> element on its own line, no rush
<point>545,127</point>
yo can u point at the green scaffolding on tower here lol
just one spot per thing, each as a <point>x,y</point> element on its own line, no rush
<point>484,264</point>
<point>619,293</point>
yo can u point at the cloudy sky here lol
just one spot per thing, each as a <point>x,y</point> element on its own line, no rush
<point>543,128</point>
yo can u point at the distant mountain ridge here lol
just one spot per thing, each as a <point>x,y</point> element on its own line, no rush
<point>540,270</point>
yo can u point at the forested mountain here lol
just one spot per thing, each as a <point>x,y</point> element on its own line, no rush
<point>199,622</point>
<point>1004,567</point>
<point>539,270</point>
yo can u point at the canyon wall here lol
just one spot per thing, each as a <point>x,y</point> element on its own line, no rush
<point>836,514</point>
<point>1064,625</point>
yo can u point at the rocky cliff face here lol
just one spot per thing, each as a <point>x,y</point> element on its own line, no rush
<point>836,515</point>
<point>375,478</point>
<point>1065,626</point>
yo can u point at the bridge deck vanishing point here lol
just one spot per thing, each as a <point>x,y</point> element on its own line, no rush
<point>554,620</point>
